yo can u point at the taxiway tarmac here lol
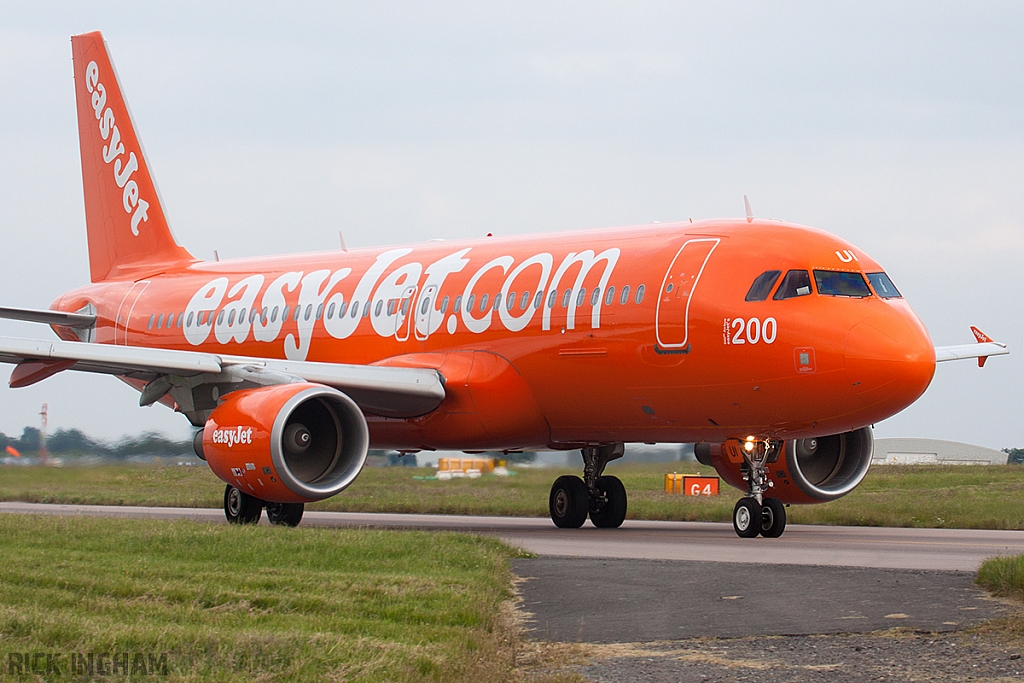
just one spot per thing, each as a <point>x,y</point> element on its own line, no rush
<point>878,547</point>
<point>665,581</point>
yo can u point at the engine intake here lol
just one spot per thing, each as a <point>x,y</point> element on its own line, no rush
<point>829,467</point>
<point>287,443</point>
<point>814,470</point>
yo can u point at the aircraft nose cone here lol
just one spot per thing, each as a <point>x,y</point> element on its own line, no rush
<point>889,361</point>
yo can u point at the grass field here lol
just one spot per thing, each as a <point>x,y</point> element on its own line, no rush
<point>912,496</point>
<point>1003,576</point>
<point>227,603</point>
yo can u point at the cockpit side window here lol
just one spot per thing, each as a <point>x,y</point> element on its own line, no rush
<point>883,286</point>
<point>796,283</point>
<point>762,286</point>
<point>841,283</point>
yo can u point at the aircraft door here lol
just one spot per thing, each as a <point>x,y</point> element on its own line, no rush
<point>404,315</point>
<point>672,315</point>
<point>425,312</point>
<point>124,312</point>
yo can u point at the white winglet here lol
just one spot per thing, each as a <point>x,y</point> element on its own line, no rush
<point>982,350</point>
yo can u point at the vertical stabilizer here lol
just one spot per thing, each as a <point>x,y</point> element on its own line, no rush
<point>128,233</point>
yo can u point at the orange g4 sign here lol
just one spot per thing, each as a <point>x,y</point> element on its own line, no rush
<point>700,486</point>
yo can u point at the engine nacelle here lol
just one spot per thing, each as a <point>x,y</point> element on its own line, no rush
<point>287,443</point>
<point>814,470</point>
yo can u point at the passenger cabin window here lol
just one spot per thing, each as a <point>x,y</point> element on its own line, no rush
<point>883,286</point>
<point>796,283</point>
<point>763,285</point>
<point>841,283</point>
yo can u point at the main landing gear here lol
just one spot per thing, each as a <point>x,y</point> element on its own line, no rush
<point>241,508</point>
<point>757,514</point>
<point>601,497</point>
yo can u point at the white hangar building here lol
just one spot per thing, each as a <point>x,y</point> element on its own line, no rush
<point>933,451</point>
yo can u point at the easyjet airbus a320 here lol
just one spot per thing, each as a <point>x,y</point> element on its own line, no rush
<point>773,346</point>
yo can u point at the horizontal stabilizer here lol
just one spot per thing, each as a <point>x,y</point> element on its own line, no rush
<point>32,315</point>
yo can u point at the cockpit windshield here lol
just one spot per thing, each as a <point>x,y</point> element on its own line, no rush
<point>762,286</point>
<point>841,283</point>
<point>796,283</point>
<point>883,286</point>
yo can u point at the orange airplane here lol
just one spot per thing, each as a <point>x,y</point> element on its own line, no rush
<point>773,346</point>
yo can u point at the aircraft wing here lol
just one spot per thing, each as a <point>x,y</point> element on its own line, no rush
<point>388,391</point>
<point>982,350</point>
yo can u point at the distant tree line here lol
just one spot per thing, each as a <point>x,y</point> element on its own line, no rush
<point>1015,456</point>
<point>72,442</point>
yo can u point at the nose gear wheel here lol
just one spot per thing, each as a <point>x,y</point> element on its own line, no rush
<point>746,518</point>
<point>773,518</point>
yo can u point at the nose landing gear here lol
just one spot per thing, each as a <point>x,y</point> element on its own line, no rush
<point>757,514</point>
<point>750,518</point>
<point>602,497</point>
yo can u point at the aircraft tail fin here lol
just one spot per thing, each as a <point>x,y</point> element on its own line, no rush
<point>128,232</point>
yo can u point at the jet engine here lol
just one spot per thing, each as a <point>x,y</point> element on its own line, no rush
<point>287,443</point>
<point>814,470</point>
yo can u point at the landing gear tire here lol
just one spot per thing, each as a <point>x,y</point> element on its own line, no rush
<point>773,518</point>
<point>746,518</point>
<point>608,509</point>
<point>241,508</point>
<point>285,514</point>
<point>568,502</point>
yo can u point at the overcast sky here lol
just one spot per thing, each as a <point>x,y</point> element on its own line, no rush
<point>272,126</point>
